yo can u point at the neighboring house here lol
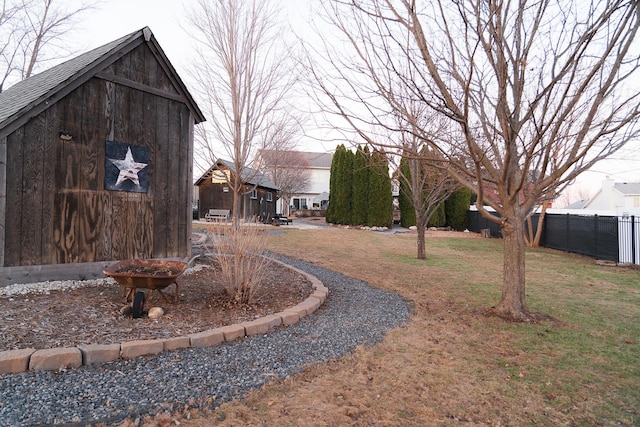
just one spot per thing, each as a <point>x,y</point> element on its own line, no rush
<point>580,204</point>
<point>621,198</point>
<point>96,163</point>
<point>317,170</point>
<point>258,200</point>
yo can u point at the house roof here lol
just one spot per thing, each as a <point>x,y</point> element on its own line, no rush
<point>250,176</point>
<point>309,159</point>
<point>581,204</point>
<point>628,188</point>
<point>318,160</point>
<point>18,102</point>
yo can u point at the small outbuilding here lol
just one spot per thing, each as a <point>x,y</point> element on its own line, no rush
<point>258,202</point>
<point>96,163</point>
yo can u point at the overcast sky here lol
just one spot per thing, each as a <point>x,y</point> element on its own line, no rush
<point>167,18</point>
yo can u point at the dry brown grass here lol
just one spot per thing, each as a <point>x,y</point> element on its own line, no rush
<point>451,365</point>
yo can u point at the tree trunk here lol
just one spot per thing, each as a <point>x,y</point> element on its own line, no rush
<point>420,227</point>
<point>533,240</point>
<point>512,305</point>
<point>236,215</point>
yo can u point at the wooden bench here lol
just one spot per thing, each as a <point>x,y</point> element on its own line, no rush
<point>279,219</point>
<point>219,215</point>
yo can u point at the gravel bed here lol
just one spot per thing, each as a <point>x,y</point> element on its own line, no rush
<point>354,314</point>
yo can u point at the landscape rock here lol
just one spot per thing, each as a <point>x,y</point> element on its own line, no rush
<point>155,313</point>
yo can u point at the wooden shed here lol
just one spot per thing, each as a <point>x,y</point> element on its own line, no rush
<point>258,201</point>
<point>96,163</point>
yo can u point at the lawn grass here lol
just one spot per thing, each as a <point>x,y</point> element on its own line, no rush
<point>451,364</point>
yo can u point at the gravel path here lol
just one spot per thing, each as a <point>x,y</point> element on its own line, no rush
<point>354,314</point>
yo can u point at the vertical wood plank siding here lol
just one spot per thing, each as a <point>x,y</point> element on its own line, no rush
<point>58,210</point>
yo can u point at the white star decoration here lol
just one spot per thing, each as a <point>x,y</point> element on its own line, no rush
<point>129,168</point>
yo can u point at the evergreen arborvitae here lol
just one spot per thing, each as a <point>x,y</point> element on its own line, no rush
<point>360,187</point>
<point>346,178</point>
<point>339,211</point>
<point>456,207</point>
<point>333,186</point>
<point>405,198</point>
<point>380,212</point>
<point>438,219</point>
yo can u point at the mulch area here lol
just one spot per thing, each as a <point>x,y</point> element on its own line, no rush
<point>93,315</point>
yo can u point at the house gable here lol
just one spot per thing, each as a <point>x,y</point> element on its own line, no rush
<point>31,96</point>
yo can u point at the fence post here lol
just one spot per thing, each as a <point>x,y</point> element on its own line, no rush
<point>633,239</point>
<point>595,237</point>
<point>567,233</point>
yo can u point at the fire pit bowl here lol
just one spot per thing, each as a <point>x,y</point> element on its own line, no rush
<point>155,275</point>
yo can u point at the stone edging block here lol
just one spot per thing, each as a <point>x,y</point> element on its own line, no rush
<point>288,317</point>
<point>96,354</point>
<point>209,338</point>
<point>319,295</point>
<point>52,359</point>
<point>232,332</point>
<point>131,349</point>
<point>16,361</point>
<point>176,343</point>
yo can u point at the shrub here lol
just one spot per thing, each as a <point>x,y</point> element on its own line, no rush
<point>456,207</point>
<point>240,254</point>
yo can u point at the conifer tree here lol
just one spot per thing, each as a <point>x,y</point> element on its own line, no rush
<point>333,188</point>
<point>360,186</point>
<point>380,212</point>
<point>339,210</point>
<point>438,218</point>
<point>456,207</point>
<point>405,198</point>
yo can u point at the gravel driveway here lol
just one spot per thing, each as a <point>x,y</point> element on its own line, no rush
<point>354,314</point>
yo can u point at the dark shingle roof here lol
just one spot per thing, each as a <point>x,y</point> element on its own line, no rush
<point>39,88</point>
<point>250,176</point>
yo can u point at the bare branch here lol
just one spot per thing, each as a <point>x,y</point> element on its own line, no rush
<point>242,80</point>
<point>31,35</point>
<point>534,93</point>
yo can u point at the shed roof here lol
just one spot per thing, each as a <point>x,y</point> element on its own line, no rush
<point>250,176</point>
<point>628,188</point>
<point>18,102</point>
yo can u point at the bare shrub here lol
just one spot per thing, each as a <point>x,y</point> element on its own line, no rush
<point>240,253</point>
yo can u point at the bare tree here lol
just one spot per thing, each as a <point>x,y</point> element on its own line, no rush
<point>31,33</point>
<point>427,182</point>
<point>571,194</point>
<point>242,78</point>
<point>535,93</point>
<point>287,169</point>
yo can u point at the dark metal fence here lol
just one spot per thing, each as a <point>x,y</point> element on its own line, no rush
<point>601,237</point>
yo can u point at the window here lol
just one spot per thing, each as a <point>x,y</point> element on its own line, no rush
<point>269,197</point>
<point>299,203</point>
<point>225,189</point>
<point>254,194</point>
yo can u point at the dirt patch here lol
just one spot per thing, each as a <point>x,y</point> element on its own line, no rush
<point>92,315</point>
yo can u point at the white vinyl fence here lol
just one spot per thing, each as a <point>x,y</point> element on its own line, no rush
<point>629,240</point>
